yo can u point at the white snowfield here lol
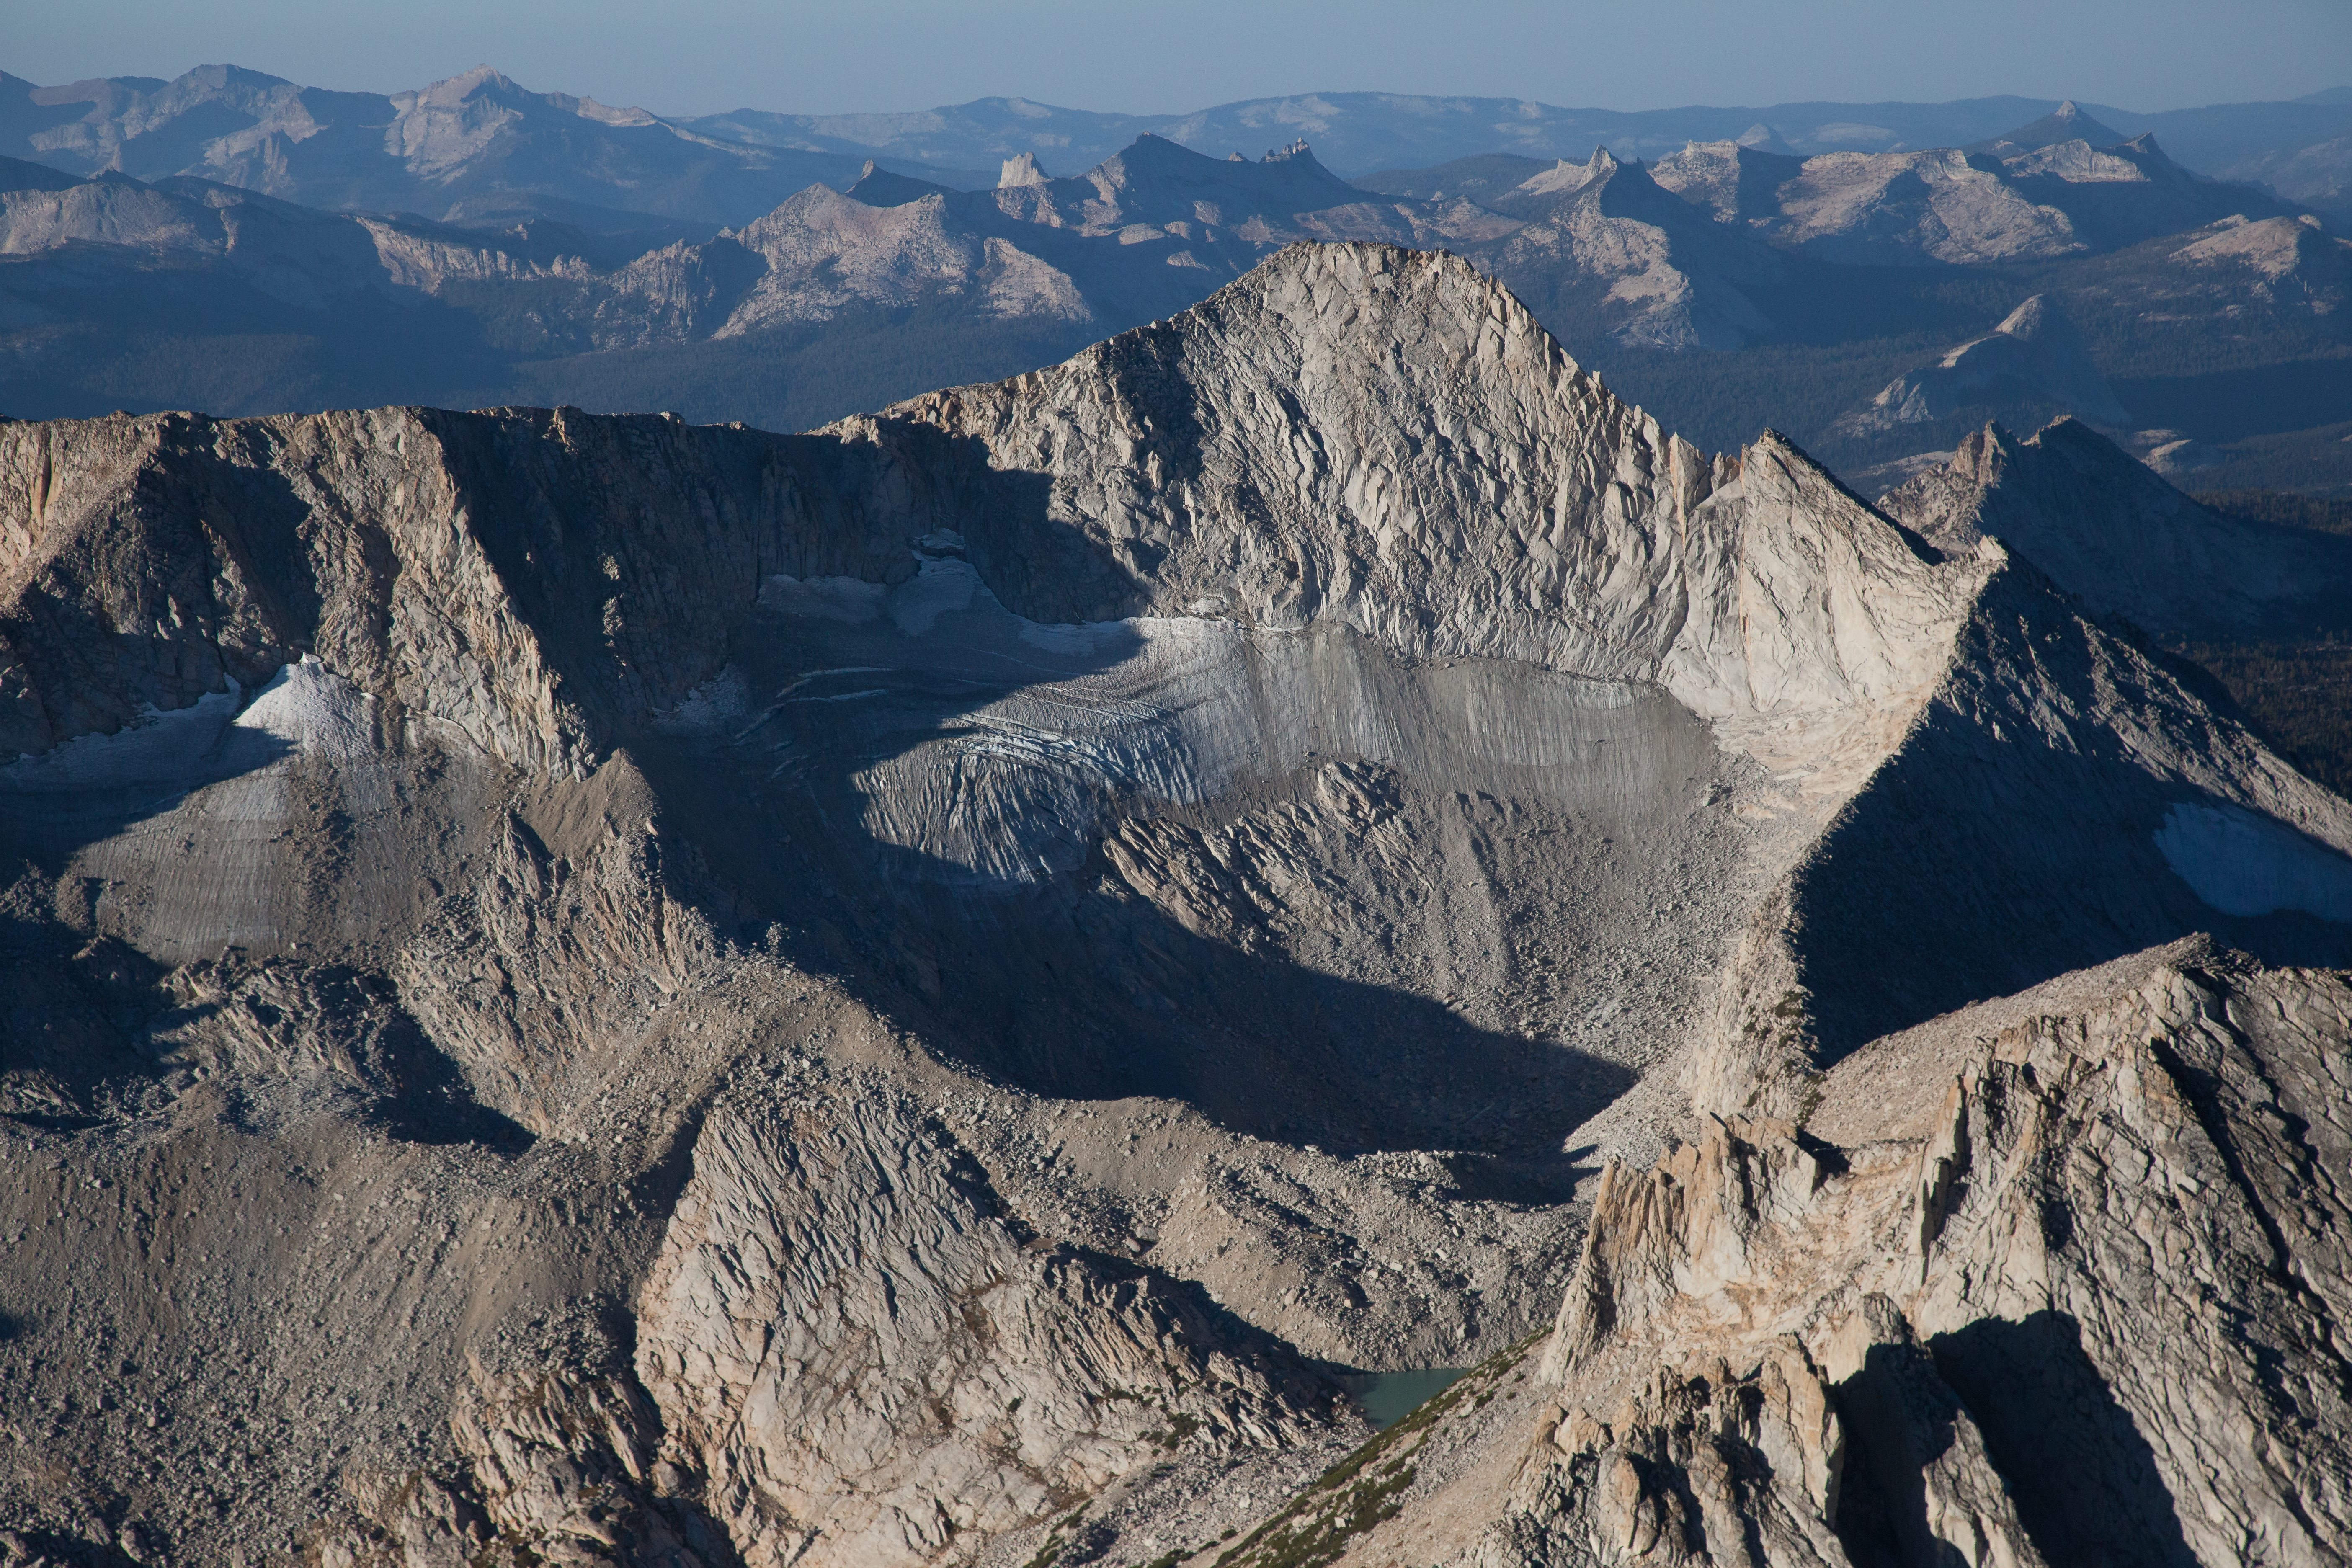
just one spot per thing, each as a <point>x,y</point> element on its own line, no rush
<point>2242,864</point>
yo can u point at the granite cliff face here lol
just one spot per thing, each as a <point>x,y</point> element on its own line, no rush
<point>617,991</point>
<point>1925,1325</point>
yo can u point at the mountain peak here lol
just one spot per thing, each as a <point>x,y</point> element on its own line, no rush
<point>2037,317</point>
<point>2108,527</point>
<point>879,187</point>
<point>2035,352</point>
<point>484,75</point>
<point>1761,138</point>
<point>612,114</point>
<point>1566,177</point>
<point>463,88</point>
<point>1019,171</point>
<point>1290,178</point>
<point>224,76</point>
<point>2067,122</point>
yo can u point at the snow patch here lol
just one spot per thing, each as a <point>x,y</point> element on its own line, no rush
<point>721,703</point>
<point>849,600</point>
<point>2242,864</point>
<point>305,708</point>
<point>158,747</point>
<point>939,587</point>
<point>315,710</point>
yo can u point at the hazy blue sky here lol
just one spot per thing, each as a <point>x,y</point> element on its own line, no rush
<point>689,57</point>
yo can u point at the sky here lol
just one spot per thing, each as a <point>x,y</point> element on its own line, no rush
<point>695,56</point>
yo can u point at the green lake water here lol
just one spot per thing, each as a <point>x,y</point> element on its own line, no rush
<point>1388,1397</point>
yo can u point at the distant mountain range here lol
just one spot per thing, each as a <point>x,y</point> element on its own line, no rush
<point>2303,148</point>
<point>476,148</point>
<point>235,242</point>
<point>1704,251</point>
<point>464,149</point>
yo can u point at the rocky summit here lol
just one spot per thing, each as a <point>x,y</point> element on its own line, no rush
<point>953,988</point>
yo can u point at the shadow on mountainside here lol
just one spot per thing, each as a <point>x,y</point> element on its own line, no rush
<point>1077,988</point>
<point>2003,846</point>
<point>1027,953</point>
<point>191,897</point>
<point>91,1025</point>
<point>2086,1482</point>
